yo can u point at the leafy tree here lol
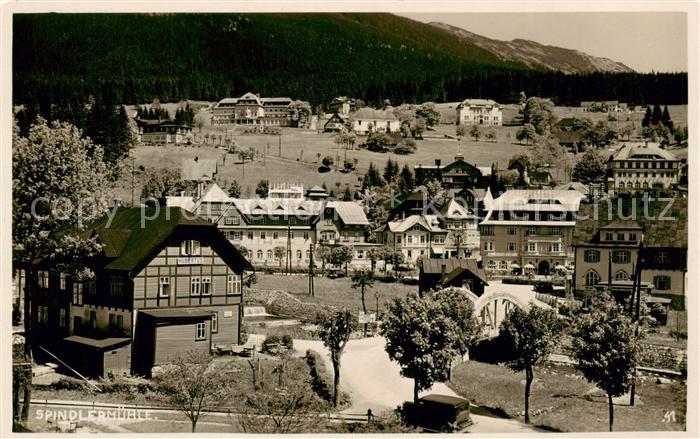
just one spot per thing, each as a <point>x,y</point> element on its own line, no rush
<point>341,255</point>
<point>461,131</point>
<point>430,114</point>
<point>420,338</point>
<point>589,168</point>
<point>600,135</point>
<point>372,178</point>
<point>59,183</point>
<point>279,253</point>
<point>391,170</point>
<point>490,135</point>
<point>475,132</point>
<point>299,113</point>
<point>406,180</point>
<point>544,151</point>
<point>347,195</point>
<point>656,115</point>
<point>457,306</point>
<point>200,120</point>
<point>647,117</point>
<point>435,193</point>
<point>327,161</point>
<point>418,128</point>
<point>605,347</point>
<point>540,113</point>
<point>363,279</point>
<point>334,330</point>
<point>530,336</point>
<point>526,132</point>
<point>263,188</point>
<point>234,190</point>
<point>322,253</point>
<point>162,182</point>
<point>194,384</point>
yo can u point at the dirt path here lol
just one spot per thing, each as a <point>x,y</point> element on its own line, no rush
<point>374,381</point>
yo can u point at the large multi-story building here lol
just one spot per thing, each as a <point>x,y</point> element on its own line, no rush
<point>156,132</point>
<point>638,167</point>
<point>479,112</point>
<point>414,236</point>
<point>529,230</point>
<point>166,282</point>
<point>250,109</point>
<point>271,229</point>
<point>608,239</point>
<point>368,119</point>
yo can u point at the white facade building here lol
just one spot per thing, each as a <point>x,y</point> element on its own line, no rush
<point>479,112</point>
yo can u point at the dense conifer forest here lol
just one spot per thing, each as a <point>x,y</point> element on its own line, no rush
<point>133,58</point>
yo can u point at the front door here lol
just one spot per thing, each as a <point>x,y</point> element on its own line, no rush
<point>543,268</point>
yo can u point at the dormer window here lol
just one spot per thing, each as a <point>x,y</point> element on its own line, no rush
<point>190,248</point>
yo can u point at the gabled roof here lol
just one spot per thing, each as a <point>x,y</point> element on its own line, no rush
<point>573,186</point>
<point>277,206</point>
<point>214,194</point>
<point>538,200</point>
<point>434,266</point>
<point>129,245</point>
<point>349,212</point>
<point>453,210</point>
<point>372,114</point>
<point>428,222</point>
<point>642,150</point>
<point>671,230</point>
<point>478,103</point>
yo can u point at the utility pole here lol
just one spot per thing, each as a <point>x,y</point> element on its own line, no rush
<point>311,270</point>
<point>636,287</point>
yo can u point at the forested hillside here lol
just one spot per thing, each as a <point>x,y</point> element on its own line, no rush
<point>315,57</point>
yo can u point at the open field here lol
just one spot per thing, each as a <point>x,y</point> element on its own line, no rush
<point>334,292</point>
<point>563,400</point>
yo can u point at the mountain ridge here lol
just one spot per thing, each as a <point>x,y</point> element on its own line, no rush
<point>537,55</point>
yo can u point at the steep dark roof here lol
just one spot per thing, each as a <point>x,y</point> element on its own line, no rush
<point>128,245</point>
<point>434,266</point>
<point>657,232</point>
<point>102,343</point>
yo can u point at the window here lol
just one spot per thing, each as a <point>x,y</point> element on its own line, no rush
<point>164,287</point>
<point>120,322</point>
<point>621,256</point>
<point>62,281</point>
<point>555,231</point>
<point>260,254</point>
<point>250,235</point>
<point>206,285</point>
<point>215,322</point>
<point>269,254</point>
<point>555,247</point>
<point>227,234</point>
<point>620,236</point>
<point>43,278</point>
<point>512,247</point>
<point>237,235</point>
<point>262,235</point>
<point>190,248</point>
<point>306,236</point>
<point>275,235</point>
<point>531,231</point>
<point>409,254</point>
<point>591,256</point>
<point>512,230</point>
<point>488,246</point>
<point>398,239</point>
<point>422,239</point>
<point>503,265</point>
<point>592,278</point>
<point>233,284</point>
<point>232,221</point>
<point>662,257</point>
<point>491,265</point>
<point>195,286</point>
<point>299,254</point>
<point>77,293</point>
<point>116,286</point>
<point>43,314</point>
<point>662,282</point>
<point>487,230</point>
<point>608,236</point>
<point>632,237</point>
<point>621,275</point>
<point>200,331</point>
<point>532,247</point>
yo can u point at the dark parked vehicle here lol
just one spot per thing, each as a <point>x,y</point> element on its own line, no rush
<point>438,413</point>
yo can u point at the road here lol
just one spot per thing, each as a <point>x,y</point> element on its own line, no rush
<point>374,381</point>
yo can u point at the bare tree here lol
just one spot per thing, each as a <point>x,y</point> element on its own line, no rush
<point>193,384</point>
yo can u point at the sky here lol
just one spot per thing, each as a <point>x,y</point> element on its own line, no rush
<point>644,41</point>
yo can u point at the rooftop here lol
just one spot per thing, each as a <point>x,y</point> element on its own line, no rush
<point>371,113</point>
<point>349,212</point>
<point>538,200</point>
<point>642,151</point>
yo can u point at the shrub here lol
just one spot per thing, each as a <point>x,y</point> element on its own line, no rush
<point>316,370</point>
<point>68,384</point>
<point>409,281</point>
<point>272,343</point>
<point>386,279</point>
<point>544,287</point>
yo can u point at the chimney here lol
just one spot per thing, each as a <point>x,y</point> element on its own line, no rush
<point>437,162</point>
<point>459,158</point>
